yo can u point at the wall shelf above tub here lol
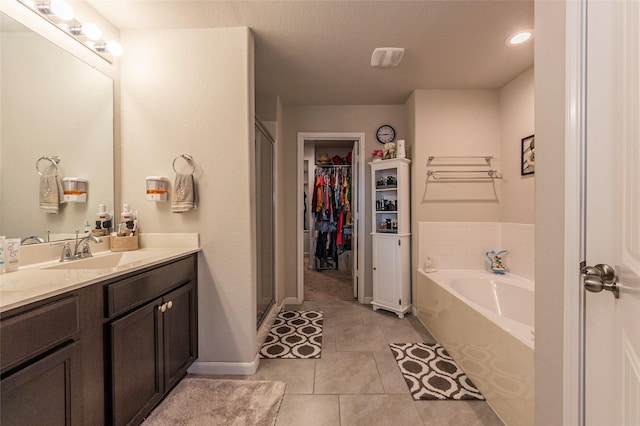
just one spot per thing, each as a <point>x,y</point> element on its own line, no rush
<point>465,175</point>
<point>457,168</point>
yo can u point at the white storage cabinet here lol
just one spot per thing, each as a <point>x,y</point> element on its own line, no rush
<point>391,236</point>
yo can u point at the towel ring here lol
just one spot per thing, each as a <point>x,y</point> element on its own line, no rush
<point>186,157</point>
<point>54,160</point>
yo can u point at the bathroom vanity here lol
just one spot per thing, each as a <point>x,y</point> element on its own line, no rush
<point>106,347</point>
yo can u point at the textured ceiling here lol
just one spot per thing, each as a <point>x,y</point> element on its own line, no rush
<point>318,52</point>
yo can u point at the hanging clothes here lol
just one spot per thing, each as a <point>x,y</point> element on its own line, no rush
<point>331,208</point>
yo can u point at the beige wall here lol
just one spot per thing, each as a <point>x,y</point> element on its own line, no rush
<point>354,118</point>
<point>448,123</point>
<point>550,134</point>
<point>198,101</point>
<point>516,122</point>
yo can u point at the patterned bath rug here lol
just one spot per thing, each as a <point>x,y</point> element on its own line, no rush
<point>294,334</point>
<point>431,374</point>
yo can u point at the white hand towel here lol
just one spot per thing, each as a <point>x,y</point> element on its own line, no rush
<point>51,194</point>
<point>185,194</point>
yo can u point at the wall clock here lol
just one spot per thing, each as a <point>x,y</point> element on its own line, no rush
<point>385,134</point>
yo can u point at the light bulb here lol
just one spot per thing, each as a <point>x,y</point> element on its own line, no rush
<point>519,38</point>
<point>61,9</point>
<point>114,48</point>
<point>91,31</point>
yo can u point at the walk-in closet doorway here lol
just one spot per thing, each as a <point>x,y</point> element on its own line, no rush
<point>331,238</point>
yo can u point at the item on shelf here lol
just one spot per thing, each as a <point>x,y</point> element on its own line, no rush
<point>400,151</point>
<point>336,159</point>
<point>389,150</point>
<point>324,158</point>
<point>377,154</point>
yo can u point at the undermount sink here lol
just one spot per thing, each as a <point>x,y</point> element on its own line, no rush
<point>106,261</point>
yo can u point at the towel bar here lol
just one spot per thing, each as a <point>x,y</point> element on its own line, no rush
<point>54,160</point>
<point>188,158</point>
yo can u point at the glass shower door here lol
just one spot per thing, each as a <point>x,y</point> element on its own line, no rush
<point>265,238</point>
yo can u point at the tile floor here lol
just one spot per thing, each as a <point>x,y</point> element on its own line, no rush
<point>357,381</point>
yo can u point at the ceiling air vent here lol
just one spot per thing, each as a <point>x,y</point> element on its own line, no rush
<point>387,56</point>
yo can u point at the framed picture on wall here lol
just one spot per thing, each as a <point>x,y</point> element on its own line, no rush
<point>527,156</point>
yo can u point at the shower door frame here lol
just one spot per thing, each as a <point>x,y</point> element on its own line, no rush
<point>259,127</point>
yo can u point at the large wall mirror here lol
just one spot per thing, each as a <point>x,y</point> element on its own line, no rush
<point>51,104</point>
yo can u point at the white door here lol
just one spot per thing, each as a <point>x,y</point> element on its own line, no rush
<point>386,258</point>
<point>355,173</point>
<point>612,325</point>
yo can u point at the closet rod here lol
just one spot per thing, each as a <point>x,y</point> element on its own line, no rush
<point>333,165</point>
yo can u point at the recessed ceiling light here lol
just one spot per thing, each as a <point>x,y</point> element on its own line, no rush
<point>519,37</point>
<point>387,56</point>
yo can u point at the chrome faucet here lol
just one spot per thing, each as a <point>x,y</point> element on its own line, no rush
<point>85,250</point>
<point>81,250</point>
<point>34,238</point>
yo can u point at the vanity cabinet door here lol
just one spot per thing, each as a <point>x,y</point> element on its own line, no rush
<point>47,392</point>
<point>151,350</point>
<point>136,360</point>
<point>180,333</point>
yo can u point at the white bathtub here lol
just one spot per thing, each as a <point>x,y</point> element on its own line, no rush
<point>485,321</point>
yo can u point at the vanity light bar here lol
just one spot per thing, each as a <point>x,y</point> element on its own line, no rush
<point>60,14</point>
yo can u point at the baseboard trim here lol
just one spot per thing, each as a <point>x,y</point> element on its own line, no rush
<point>291,301</point>
<point>225,368</point>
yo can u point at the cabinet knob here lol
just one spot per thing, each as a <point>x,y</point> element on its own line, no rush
<point>162,307</point>
<point>169,304</point>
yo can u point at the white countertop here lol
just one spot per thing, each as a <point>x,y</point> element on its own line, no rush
<point>42,280</point>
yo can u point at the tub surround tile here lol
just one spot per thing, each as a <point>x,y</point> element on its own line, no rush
<point>461,245</point>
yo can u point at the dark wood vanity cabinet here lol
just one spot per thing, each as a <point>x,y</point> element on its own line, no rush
<point>41,363</point>
<point>103,354</point>
<point>153,343</point>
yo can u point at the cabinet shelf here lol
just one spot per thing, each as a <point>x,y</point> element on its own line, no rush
<point>387,188</point>
<point>387,211</point>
